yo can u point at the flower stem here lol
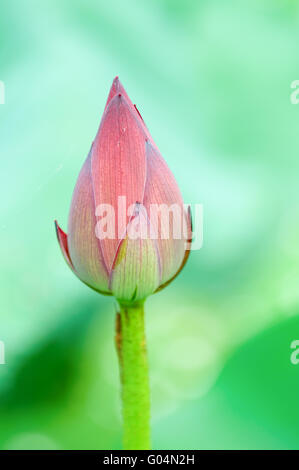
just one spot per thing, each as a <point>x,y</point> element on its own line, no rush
<point>130,342</point>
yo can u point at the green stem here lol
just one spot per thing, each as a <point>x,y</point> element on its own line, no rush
<point>130,342</point>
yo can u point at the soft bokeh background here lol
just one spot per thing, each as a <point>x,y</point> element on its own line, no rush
<point>212,81</point>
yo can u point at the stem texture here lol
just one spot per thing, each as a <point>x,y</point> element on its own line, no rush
<point>130,343</point>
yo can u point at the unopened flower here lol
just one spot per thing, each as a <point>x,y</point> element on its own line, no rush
<point>128,230</point>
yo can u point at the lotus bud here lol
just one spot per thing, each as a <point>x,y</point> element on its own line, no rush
<point>128,230</point>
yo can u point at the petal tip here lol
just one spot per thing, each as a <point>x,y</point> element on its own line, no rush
<point>116,89</point>
<point>62,240</point>
<point>58,230</point>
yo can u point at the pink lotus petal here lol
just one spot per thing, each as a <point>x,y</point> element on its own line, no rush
<point>161,188</point>
<point>118,165</point>
<point>136,268</point>
<point>187,251</point>
<point>84,247</point>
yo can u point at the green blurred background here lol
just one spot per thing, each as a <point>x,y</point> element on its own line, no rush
<point>212,81</point>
